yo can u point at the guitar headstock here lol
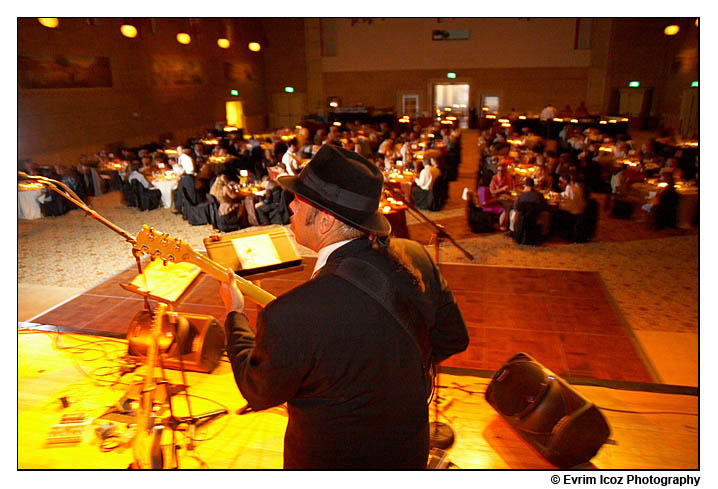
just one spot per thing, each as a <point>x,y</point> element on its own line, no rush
<point>161,245</point>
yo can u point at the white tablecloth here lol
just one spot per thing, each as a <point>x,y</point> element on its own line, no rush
<point>28,206</point>
<point>167,187</point>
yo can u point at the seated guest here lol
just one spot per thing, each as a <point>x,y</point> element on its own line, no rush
<point>530,195</point>
<point>491,204</point>
<point>267,208</point>
<point>291,159</point>
<point>502,183</point>
<point>136,174</point>
<point>541,177</point>
<point>574,198</point>
<point>230,201</point>
<point>572,205</point>
<point>422,193</point>
<point>662,207</point>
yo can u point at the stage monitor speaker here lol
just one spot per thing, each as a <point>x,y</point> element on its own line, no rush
<point>202,342</point>
<point>566,428</point>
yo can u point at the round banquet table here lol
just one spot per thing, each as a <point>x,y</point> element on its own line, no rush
<point>687,201</point>
<point>28,205</point>
<point>167,188</point>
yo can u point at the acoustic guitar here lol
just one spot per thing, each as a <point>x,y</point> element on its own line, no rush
<point>169,249</point>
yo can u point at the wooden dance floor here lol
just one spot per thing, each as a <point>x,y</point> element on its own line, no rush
<point>566,320</point>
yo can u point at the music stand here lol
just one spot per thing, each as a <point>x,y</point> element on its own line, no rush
<point>441,435</point>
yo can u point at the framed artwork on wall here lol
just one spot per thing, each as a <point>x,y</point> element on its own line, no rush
<point>37,71</point>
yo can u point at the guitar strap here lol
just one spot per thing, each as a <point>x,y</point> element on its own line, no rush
<point>374,282</point>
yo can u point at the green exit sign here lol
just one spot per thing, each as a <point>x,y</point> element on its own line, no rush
<point>694,84</point>
<point>451,74</point>
<point>234,92</point>
<point>634,84</point>
<point>289,89</point>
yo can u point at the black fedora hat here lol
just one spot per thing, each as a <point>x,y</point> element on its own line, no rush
<point>344,184</point>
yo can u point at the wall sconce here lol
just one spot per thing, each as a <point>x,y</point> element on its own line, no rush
<point>223,43</point>
<point>128,30</point>
<point>49,22</point>
<point>184,38</point>
<point>254,46</point>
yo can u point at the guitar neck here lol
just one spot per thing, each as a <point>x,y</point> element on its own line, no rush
<point>260,296</point>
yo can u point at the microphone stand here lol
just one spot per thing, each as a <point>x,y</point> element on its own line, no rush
<point>441,435</point>
<point>67,193</point>
<point>193,422</point>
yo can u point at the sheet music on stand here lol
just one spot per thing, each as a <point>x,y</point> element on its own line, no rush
<point>265,249</point>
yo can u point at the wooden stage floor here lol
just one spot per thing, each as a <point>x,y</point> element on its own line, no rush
<point>648,430</point>
<point>566,320</point>
<point>651,428</point>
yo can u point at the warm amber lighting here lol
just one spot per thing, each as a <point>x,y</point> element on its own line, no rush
<point>490,116</point>
<point>183,38</point>
<point>696,22</point>
<point>522,117</point>
<point>229,129</point>
<point>50,22</point>
<point>128,30</point>
<point>671,30</point>
<point>574,121</point>
<point>254,46</point>
<point>333,104</point>
<point>223,43</point>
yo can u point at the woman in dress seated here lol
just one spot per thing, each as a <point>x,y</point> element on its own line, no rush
<point>491,204</point>
<point>230,201</point>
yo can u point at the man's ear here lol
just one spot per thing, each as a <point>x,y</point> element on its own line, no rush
<point>326,222</point>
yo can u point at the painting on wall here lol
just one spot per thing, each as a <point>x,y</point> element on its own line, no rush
<point>176,72</point>
<point>239,72</point>
<point>63,71</point>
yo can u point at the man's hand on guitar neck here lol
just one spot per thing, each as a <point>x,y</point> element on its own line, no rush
<point>231,295</point>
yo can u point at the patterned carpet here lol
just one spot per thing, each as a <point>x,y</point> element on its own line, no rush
<point>651,276</point>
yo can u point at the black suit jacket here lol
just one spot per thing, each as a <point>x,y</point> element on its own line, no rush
<point>351,376</point>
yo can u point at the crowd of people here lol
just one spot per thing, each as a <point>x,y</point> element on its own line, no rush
<point>579,162</point>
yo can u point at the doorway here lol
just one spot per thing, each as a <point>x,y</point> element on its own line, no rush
<point>234,114</point>
<point>452,100</point>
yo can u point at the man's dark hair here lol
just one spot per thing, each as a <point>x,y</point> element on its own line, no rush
<point>529,182</point>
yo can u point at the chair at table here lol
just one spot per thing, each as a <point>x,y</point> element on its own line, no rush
<point>186,187</point>
<point>147,198</point>
<point>196,213</point>
<point>666,212</point>
<point>585,224</point>
<point>54,205</point>
<point>528,229</point>
<point>226,223</point>
<point>130,197</point>
<point>479,221</point>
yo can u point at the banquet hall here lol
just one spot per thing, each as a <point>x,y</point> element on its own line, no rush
<point>600,296</point>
